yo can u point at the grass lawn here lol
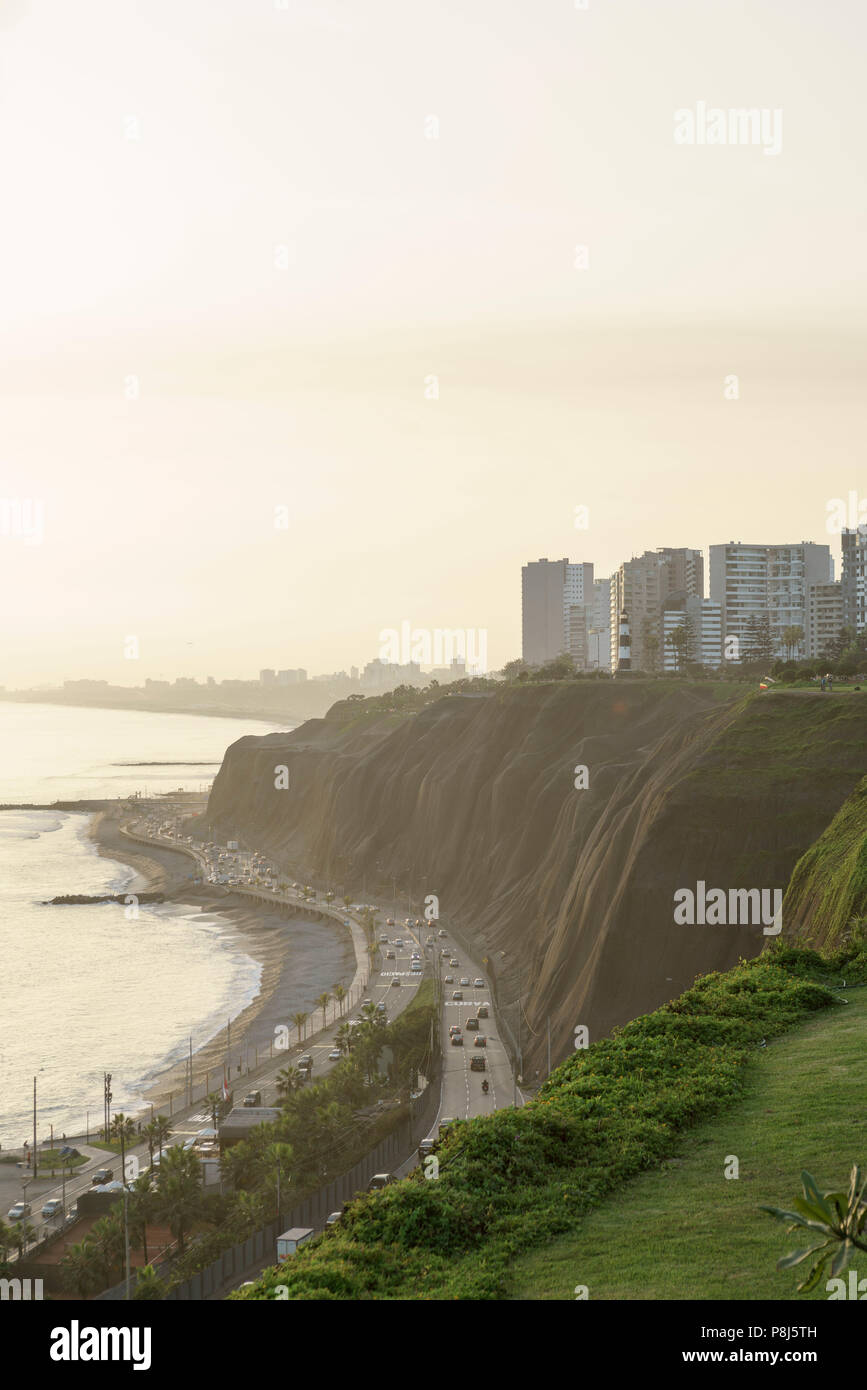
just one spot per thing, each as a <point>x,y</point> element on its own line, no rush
<point>687,1232</point>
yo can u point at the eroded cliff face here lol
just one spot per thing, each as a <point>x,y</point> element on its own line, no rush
<point>569,893</point>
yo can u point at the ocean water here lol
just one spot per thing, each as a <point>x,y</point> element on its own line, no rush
<point>83,989</point>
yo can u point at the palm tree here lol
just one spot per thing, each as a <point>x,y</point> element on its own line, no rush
<point>299,1020</point>
<point>213,1101</point>
<point>163,1131</point>
<point>323,1000</point>
<point>108,1239</point>
<point>179,1192</point>
<point>288,1080</point>
<point>82,1268</point>
<point>6,1241</point>
<point>343,1038</point>
<point>141,1210</point>
<point>149,1284</point>
<point>22,1234</point>
<point>277,1158</point>
<point>122,1130</point>
<point>340,995</point>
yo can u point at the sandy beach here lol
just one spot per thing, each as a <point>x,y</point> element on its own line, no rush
<point>286,949</point>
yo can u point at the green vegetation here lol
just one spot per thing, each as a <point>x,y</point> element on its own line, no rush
<point>683,1230</point>
<point>839,1218</point>
<point>828,887</point>
<point>519,1179</point>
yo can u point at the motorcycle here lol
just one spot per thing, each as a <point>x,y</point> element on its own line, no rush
<point>485,1086</point>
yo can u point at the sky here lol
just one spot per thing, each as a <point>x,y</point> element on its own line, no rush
<point>413,282</point>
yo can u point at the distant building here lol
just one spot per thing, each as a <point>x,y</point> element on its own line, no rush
<point>825,617</point>
<point>386,675</point>
<point>639,587</point>
<point>854,578</point>
<point>766,585</point>
<point>292,677</point>
<point>267,677</point>
<point>557,611</point>
<point>702,619</point>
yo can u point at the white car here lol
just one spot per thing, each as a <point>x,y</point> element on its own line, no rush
<point>478,984</point>
<point>335,1055</point>
<point>19,1212</point>
<point>53,1207</point>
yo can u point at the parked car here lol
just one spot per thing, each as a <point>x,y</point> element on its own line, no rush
<point>379,1181</point>
<point>480,1040</point>
<point>478,1063</point>
<point>53,1207</point>
<point>482,1011</point>
<point>20,1211</point>
<point>252,1099</point>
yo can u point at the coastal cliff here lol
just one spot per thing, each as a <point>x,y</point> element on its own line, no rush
<point>568,892</point>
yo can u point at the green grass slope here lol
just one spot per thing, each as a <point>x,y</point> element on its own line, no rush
<point>685,1230</point>
<point>828,887</point>
<point>522,1180</point>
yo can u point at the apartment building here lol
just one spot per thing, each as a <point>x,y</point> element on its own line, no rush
<point>702,619</point>
<point>854,577</point>
<point>824,617</point>
<point>639,588</point>
<point>559,612</point>
<point>766,585</point>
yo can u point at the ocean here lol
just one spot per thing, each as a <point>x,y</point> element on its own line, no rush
<point>84,990</point>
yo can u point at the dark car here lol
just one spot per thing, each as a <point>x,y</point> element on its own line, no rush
<point>472,1024</point>
<point>480,1040</point>
<point>102,1175</point>
<point>478,1063</point>
<point>482,1011</point>
<point>379,1181</point>
<point>252,1099</point>
<point>457,1039</point>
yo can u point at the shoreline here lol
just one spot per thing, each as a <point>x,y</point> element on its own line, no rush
<point>261,933</point>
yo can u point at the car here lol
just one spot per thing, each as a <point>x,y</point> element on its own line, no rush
<point>379,1181</point>
<point>442,932</point>
<point>457,1039</point>
<point>480,1040</point>
<point>425,1149</point>
<point>398,941</point>
<point>454,1028</point>
<point>389,955</point>
<point>444,951</point>
<point>389,921</point>
<point>454,961</point>
<point>335,1054</point>
<point>445,1125</point>
<point>472,1023</point>
<point>252,1099</point>
<point>383,941</point>
<point>416,955</point>
<point>482,1011</point>
<point>395,984</point>
<point>333,1217</point>
<point>465,981</point>
<point>457,996</point>
<point>380,1008</point>
<point>478,1063</point>
<point>429,941</point>
<point>478,984</point>
<point>306,1060</point>
<point>101,1176</point>
<point>20,1211</point>
<point>449,980</point>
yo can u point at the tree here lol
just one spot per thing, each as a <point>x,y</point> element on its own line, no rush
<point>651,651</point>
<point>122,1131</point>
<point>299,1020</point>
<point>791,638</point>
<point>141,1209</point>
<point>322,1002</point>
<point>213,1103</point>
<point>108,1238</point>
<point>163,1130</point>
<point>679,641</point>
<point>288,1080</point>
<point>513,669</point>
<point>23,1232</point>
<point>277,1160</point>
<point>340,995</point>
<point>343,1038</point>
<point>82,1268</point>
<point>758,645</point>
<point>179,1192</point>
<point>149,1285</point>
<point>839,1217</point>
<point>6,1241</point>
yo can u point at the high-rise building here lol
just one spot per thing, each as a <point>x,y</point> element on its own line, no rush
<point>557,599</point>
<point>854,577</point>
<point>702,619</point>
<point>600,628</point>
<point>765,586</point>
<point>824,617</point>
<point>267,677</point>
<point>639,588</point>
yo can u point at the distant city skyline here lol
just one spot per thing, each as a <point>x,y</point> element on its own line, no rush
<point>281,372</point>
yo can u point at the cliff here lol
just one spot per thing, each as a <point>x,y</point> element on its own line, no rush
<point>568,893</point>
<point>828,889</point>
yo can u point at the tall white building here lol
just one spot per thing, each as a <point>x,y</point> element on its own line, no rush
<point>766,585</point>
<point>559,607</point>
<point>703,620</point>
<point>854,577</point>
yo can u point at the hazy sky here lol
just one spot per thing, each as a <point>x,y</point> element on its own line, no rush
<point>236,211</point>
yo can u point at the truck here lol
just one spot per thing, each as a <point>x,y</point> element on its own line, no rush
<point>288,1243</point>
